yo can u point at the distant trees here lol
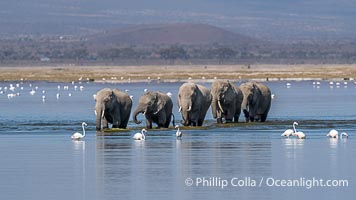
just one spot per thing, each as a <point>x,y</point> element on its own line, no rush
<point>224,53</point>
<point>173,53</point>
<point>119,53</point>
<point>17,50</point>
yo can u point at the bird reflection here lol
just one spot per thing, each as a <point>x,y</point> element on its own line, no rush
<point>333,142</point>
<point>78,145</point>
<point>293,143</point>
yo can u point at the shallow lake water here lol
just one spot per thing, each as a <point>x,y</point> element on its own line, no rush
<point>241,161</point>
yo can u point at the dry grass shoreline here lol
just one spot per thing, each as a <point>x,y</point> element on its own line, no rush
<point>171,73</point>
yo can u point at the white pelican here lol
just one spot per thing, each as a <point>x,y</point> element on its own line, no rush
<point>344,134</point>
<point>32,92</point>
<point>169,94</point>
<point>178,133</point>
<point>78,136</point>
<point>298,134</point>
<point>140,136</point>
<point>333,133</point>
<point>58,95</point>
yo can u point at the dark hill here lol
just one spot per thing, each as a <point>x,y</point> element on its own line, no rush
<point>187,34</point>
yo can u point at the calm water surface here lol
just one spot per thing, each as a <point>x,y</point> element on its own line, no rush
<point>39,160</point>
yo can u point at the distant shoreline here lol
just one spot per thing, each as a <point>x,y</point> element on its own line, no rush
<point>178,73</point>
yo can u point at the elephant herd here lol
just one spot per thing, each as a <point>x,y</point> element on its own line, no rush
<point>226,100</point>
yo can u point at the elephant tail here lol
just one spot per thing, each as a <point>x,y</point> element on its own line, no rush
<point>173,120</point>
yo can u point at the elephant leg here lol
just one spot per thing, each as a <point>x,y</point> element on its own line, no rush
<point>124,122</point>
<point>168,121</point>
<point>264,117</point>
<point>162,120</point>
<point>237,115</point>
<point>219,120</point>
<point>230,114</point>
<point>148,124</point>
<point>200,122</point>
<point>105,123</point>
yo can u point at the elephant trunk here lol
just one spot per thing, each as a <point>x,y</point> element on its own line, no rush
<point>214,108</point>
<point>100,112</point>
<point>217,109</point>
<point>244,107</point>
<point>139,109</point>
<point>185,108</point>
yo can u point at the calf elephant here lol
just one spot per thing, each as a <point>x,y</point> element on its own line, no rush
<point>256,101</point>
<point>194,101</point>
<point>226,103</point>
<point>157,107</point>
<point>112,106</point>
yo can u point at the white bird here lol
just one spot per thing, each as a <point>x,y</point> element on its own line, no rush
<point>70,94</point>
<point>58,95</point>
<point>272,96</point>
<point>178,133</point>
<point>43,98</point>
<point>32,92</point>
<point>287,133</point>
<point>131,97</point>
<point>333,133</point>
<point>169,94</point>
<point>140,136</point>
<point>94,96</point>
<point>298,134</point>
<point>344,134</point>
<point>145,90</point>
<point>126,90</point>
<point>288,84</point>
<point>77,135</point>
<point>43,91</point>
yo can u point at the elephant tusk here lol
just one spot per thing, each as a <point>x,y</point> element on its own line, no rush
<point>189,108</point>
<point>102,115</point>
<point>95,113</point>
<point>219,104</point>
<point>144,113</point>
<point>180,109</point>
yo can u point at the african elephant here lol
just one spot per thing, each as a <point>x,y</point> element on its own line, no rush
<point>194,101</point>
<point>226,103</point>
<point>157,107</point>
<point>256,102</point>
<point>112,106</point>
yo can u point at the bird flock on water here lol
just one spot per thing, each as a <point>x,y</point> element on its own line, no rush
<point>300,135</point>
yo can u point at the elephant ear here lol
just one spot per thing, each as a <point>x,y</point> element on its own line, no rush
<point>160,102</point>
